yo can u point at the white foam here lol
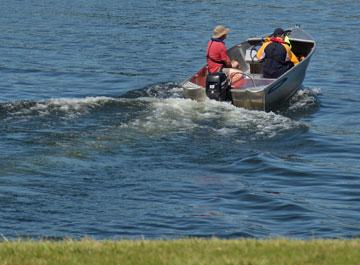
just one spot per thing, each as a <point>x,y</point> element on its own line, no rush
<point>178,115</point>
<point>304,98</point>
<point>69,107</point>
<point>66,104</point>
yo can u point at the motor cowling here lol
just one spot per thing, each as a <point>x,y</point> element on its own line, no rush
<point>218,87</point>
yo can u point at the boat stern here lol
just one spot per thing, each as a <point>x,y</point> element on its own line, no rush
<point>193,91</point>
<point>254,100</point>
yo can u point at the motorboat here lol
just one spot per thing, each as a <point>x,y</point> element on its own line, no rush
<point>253,91</point>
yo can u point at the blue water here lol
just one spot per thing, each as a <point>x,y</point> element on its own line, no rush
<point>97,140</point>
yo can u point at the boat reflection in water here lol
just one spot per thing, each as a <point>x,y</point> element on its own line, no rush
<point>253,91</point>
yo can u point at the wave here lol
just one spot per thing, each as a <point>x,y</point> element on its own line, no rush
<point>160,109</point>
<point>161,90</point>
<point>305,101</point>
<point>211,117</point>
<point>65,107</point>
<point>170,112</point>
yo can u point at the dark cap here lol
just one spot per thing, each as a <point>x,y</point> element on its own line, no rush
<point>279,32</point>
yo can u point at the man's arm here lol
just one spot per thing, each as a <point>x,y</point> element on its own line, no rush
<point>225,57</point>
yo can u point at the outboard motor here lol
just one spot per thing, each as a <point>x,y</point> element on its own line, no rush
<point>218,87</point>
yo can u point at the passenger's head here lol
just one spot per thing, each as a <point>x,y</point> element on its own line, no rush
<point>279,33</point>
<point>220,32</point>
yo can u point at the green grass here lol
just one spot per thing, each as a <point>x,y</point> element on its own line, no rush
<point>186,251</point>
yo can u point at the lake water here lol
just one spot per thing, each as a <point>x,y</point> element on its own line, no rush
<point>97,140</point>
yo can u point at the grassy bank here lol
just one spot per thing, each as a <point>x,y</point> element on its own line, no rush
<point>189,251</point>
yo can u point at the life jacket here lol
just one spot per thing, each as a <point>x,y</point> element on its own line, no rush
<point>287,41</point>
<point>275,63</point>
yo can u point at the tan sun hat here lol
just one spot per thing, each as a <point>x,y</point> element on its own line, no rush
<point>220,31</point>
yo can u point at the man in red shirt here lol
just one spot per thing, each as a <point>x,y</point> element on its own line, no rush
<point>216,54</point>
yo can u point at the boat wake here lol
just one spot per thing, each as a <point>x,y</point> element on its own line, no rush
<point>161,110</point>
<point>64,108</point>
<point>304,102</point>
<point>161,90</point>
<point>174,115</point>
